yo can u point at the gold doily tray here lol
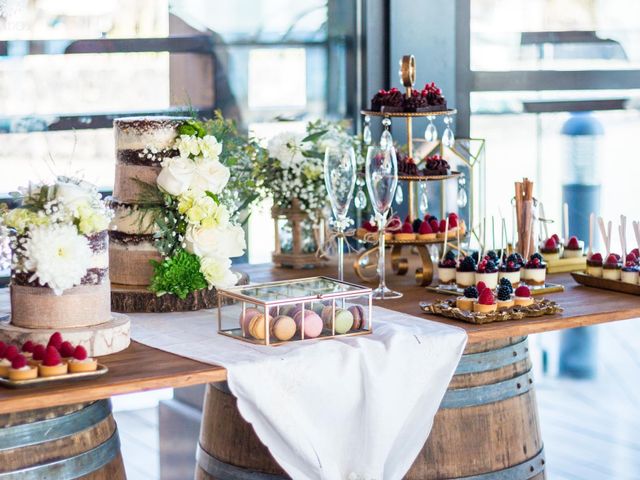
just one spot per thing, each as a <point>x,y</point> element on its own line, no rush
<point>447,308</point>
<point>606,284</point>
<point>373,113</point>
<point>428,178</point>
<point>43,381</point>
<point>535,291</point>
<point>564,265</point>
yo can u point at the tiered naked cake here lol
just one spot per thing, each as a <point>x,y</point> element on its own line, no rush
<point>142,143</point>
<point>60,269</point>
<point>164,258</point>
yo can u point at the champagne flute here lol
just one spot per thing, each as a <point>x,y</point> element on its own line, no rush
<point>381,173</point>
<point>340,180</point>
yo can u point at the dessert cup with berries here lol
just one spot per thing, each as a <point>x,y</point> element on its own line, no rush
<point>550,250</point>
<point>594,265</point>
<point>487,272</point>
<point>574,248</point>
<point>447,269</point>
<point>510,270</point>
<point>466,272</point>
<point>629,273</point>
<point>534,272</point>
<point>611,269</point>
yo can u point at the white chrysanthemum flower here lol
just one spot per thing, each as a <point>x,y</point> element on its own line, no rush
<point>217,272</point>
<point>287,148</point>
<point>57,256</point>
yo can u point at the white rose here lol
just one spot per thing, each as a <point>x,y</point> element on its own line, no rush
<point>176,174</point>
<point>73,195</point>
<point>217,272</point>
<point>210,147</point>
<point>187,145</point>
<point>215,241</point>
<point>210,175</point>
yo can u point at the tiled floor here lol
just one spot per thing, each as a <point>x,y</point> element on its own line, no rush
<point>591,429</point>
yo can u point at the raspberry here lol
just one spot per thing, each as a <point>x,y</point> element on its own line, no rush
<point>550,244</point>
<point>596,257</point>
<point>80,353</point>
<point>573,243</point>
<point>407,227</point>
<point>51,357</point>
<point>556,238</point>
<point>19,361</point>
<point>425,228</point>
<point>481,287</point>
<point>486,297</point>
<point>612,259</point>
<point>523,291</point>
<point>66,349</point>
<point>434,225</point>
<point>55,340</point>
<point>11,352</point>
<point>443,225</point>
<point>28,346</point>
<point>38,352</point>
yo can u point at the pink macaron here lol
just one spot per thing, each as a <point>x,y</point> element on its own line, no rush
<point>312,323</point>
<point>245,319</point>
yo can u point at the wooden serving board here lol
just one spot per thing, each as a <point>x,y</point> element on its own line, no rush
<point>563,265</point>
<point>605,283</point>
<point>138,299</point>
<point>43,381</point>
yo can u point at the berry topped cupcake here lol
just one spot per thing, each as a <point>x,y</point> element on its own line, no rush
<point>611,268</point>
<point>435,165</point>
<point>594,265</point>
<point>486,302</point>
<point>510,270</point>
<point>447,269</point>
<point>573,248</point>
<point>534,272</point>
<point>466,272</point>
<point>550,250</point>
<point>469,297</point>
<point>522,296</point>
<point>488,273</point>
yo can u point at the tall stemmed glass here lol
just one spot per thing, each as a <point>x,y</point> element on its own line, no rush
<point>381,172</point>
<point>340,180</point>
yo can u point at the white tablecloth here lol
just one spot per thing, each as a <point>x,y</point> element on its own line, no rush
<point>347,408</point>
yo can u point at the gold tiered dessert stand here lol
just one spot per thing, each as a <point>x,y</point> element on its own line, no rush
<point>365,265</point>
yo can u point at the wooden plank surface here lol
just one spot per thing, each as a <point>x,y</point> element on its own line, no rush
<point>142,368</point>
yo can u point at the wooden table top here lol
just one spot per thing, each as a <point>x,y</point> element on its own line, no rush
<point>140,368</point>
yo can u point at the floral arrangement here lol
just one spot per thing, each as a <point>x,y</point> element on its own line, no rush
<point>51,231</point>
<point>196,236</point>
<point>294,169</point>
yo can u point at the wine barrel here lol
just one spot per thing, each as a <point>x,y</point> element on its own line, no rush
<point>70,442</point>
<point>486,428</point>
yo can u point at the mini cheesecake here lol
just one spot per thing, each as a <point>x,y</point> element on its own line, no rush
<point>611,268</point>
<point>535,271</point>
<point>522,297</point>
<point>447,269</point>
<point>550,250</point>
<point>487,273</point>
<point>629,273</point>
<point>573,248</point>
<point>466,272</point>
<point>511,271</point>
<point>594,265</point>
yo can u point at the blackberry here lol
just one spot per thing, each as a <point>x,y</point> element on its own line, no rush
<point>416,225</point>
<point>468,264</point>
<point>471,292</point>
<point>493,256</point>
<point>504,293</point>
<point>450,255</point>
<point>491,267</point>
<point>537,255</point>
<point>504,281</point>
<point>475,256</point>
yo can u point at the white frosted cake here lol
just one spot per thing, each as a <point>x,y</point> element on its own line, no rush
<point>142,143</point>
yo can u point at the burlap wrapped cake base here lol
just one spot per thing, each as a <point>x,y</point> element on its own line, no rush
<point>137,299</point>
<point>131,266</point>
<point>39,307</point>
<point>108,337</point>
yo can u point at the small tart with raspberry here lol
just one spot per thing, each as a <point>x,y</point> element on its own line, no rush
<point>522,296</point>
<point>80,362</point>
<point>407,233</point>
<point>21,370</point>
<point>486,302</point>
<point>27,349</point>
<point>38,355</point>
<point>425,232</point>
<point>66,350</point>
<point>52,364</point>
<point>7,354</point>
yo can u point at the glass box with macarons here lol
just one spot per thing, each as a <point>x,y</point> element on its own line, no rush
<point>293,310</point>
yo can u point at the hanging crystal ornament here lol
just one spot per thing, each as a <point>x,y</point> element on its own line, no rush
<point>361,199</point>
<point>423,204</point>
<point>448,140</point>
<point>462,192</point>
<point>399,195</point>
<point>366,132</point>
<point>386,140</point>
<point>431,132</point>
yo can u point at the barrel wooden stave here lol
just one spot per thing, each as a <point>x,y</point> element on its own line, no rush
<point>471,436</point>
<point>75,441</point>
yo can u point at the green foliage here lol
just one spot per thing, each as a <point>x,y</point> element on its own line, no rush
<point>172,226</point>
<point>192,127</point>
<point>179,275</point>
